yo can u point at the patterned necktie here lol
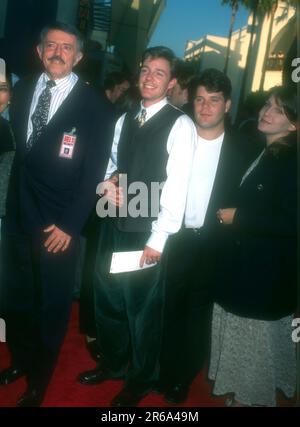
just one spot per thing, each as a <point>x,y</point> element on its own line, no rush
<point>142,117</point>
<point>40,116</point>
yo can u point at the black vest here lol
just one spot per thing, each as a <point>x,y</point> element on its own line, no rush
<point>143,156</point>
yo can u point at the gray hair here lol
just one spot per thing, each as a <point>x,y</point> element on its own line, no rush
<point>66,28</point>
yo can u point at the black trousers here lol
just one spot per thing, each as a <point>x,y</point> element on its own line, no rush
<point>87,322</point>
<point>128,310</point>
<point>36,298</point>
<point>187,310</point>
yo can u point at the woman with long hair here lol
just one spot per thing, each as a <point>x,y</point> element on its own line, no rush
<point>253,354</point>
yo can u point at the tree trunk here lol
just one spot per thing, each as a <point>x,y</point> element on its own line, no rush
<point>232,21</point>
<point>246,72</point>
<point>263,74</point>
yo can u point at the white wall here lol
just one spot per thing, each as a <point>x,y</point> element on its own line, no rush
<point>273,78</point>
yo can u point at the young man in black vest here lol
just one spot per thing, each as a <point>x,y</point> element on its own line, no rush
<point>153,144</point>
<point>217,170</point>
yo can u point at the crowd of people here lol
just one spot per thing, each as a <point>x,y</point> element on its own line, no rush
<point>214,277</point>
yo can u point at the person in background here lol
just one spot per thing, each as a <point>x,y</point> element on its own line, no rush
<point>115,84</point>
<point>252,352</point>
<point>7,146</point>
<point>128,101</point>
<point>11,79</point>
<point>179,96</point>
<point>120,97</point>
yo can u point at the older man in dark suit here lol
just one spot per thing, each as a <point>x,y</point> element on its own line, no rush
<point>62,149</point>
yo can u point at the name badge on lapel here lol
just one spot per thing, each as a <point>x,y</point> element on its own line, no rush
<point>68,144</point>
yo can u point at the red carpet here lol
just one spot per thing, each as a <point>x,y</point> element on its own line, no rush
<point>64,391</point>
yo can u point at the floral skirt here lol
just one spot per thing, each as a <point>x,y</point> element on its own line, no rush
<point>252,358</point>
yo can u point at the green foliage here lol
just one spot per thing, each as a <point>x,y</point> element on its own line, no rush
<point>234,4</point>
<point>265,6</point>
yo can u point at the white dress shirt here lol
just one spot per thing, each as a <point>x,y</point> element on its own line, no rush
<point>202,179</point>
<point>181,146</point>
<point>59,93</point>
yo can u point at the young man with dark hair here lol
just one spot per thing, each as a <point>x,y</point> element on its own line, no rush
<point>216,174</point>
<point>62,132</point>
<point>213,81</point>
<point>153,144</point>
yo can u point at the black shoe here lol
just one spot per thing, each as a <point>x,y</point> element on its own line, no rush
<point>10,375</point>
<point>176,394</point>
<point>30,399</point>
<point>94,376</point>
<point>128,396</point>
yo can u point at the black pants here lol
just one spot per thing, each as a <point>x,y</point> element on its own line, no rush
<point>128,310</point>
<point>187,310</point>
<point>87,322</point>
<point>36,298</point>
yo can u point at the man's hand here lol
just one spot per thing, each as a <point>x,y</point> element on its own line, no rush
<point>150,255</point>
<point>57,240</point>
<point>112,193</point>
<point>226,216</point>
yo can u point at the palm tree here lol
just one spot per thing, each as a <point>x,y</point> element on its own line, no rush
<point>234,4</point>
<point>256,7</point>
<point>271,9</point>
<point>253,5</point>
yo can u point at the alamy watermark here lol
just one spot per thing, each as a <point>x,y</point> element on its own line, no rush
<point>2,330</point>
<point>296,72</point>
<point>137,206</point>
<point>296,331</point>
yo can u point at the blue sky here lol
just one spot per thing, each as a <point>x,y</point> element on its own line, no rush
<point>184,20</point>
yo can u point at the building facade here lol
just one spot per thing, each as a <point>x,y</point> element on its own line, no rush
<point>210,51</point>
<point>117,31</point>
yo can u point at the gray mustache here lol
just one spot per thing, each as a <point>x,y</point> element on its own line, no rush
<point>57,58</point>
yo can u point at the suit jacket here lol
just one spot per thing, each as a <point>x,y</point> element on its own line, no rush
<point>256,274</point>
<point>231,167</point>
<point>45,188</point>
<point>186,244</point>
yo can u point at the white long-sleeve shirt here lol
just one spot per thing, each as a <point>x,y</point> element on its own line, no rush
<point>181,145</point>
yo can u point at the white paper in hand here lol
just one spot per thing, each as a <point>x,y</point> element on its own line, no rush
<point>123,262</point>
